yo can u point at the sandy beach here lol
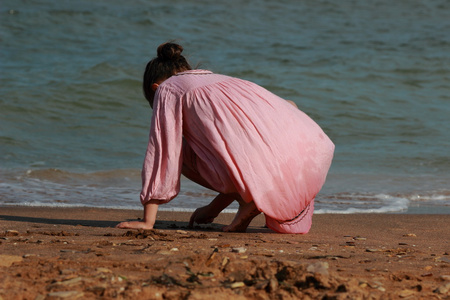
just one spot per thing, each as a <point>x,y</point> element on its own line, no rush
<point>76,253</point>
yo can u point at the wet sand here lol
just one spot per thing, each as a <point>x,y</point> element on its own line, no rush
<point>76,253</point>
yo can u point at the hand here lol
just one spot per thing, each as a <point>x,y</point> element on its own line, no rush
<point>202,215</point>
<point>150,210</point>
<point>134,225</point>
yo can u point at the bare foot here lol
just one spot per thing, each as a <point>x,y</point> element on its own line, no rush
<point>246,213</point>
<point>202,215</point>
<point>134,225</point>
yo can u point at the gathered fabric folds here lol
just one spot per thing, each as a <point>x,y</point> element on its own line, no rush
<point>240,138</point>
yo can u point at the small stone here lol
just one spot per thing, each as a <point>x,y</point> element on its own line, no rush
<point>103,270</point>
<point>67,271</point>
<point>71,281</point>
<point>97,290</point>
<point>443,289</point>
<point>174,249</point>
<point>428,268</point>
<point>65,295</point>
<point>445,277</point>
<point>8,260</point>
<point>67,251</point>
<point>358,238</point>
<point>406,293</point>
<point>318,267</point>
<point>410,235</point>
<point>11,233</point>
<point>239,250</point>
<point>442,259</point>
<point>373,250</point>
<point>182,232</point>
<point>225,261</point>
<point>236,285</point>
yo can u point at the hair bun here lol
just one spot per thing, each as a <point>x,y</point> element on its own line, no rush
<point>169,51</point>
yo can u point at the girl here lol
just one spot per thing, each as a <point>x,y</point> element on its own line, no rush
<point>231,136</point>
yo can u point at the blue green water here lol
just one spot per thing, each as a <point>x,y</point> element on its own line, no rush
<point>374,74</point>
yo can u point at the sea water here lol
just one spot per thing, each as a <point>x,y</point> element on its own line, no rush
<point>375,75</point>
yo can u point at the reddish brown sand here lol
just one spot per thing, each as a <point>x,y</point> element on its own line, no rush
<point>61,253</point>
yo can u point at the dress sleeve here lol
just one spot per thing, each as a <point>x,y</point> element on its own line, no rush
<point>163,160</point>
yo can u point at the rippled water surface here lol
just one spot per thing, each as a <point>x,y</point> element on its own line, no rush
<point>374,74</point>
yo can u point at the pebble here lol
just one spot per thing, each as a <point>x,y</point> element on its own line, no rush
<point>358,238</point>
<point>67,251</point>
<point>410,235</point>
<point>443,289</point>
<point>103,270</point>
<point>8,260</point>
<point>406,293</point>
<point>67,271</point>
<point>445,277</point>
<point>442,259</point>
<point>11,233</point>
<point>239,284</point>
<point>239,250</point>
<point>65,295</point>
<point>225,261</point>
<point>373,250</point>
<point>70,281</point>
<point>318,267</point>
<point>182,232</point>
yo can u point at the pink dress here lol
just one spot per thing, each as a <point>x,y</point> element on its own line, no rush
<point>240,138</point>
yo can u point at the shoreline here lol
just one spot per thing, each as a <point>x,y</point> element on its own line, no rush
<point>411,210</point>
<point>54,253</point>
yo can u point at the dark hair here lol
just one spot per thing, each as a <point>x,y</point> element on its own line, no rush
<point>168,62</point>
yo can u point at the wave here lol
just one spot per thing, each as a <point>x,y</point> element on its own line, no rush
<point>120,189</point>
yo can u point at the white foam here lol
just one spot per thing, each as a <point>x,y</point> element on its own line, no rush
<point>383,204</point>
